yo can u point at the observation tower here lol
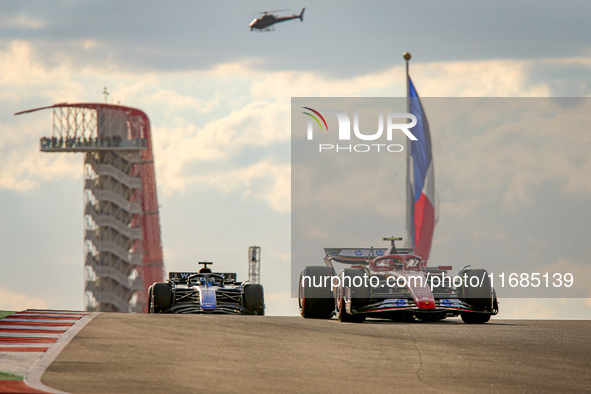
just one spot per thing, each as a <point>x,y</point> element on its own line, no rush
<point>254,265</point>
<point>122,243</point>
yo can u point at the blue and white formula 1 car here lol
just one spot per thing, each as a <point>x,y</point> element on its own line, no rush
<point>206,292</point>
<point>393,284</point>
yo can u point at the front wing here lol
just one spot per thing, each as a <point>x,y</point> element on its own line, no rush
<point>452,306</point>
<point>228,301</point>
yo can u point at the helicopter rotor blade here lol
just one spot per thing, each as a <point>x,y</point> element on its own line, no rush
<point>266,12</point>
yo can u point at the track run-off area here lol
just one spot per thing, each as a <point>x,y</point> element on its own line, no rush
<point>29,342</point>
<point>127,353</point>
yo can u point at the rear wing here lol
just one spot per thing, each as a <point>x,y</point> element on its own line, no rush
<point>358,256</point>
<point>181,277</point>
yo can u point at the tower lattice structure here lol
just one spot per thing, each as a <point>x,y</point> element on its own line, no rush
<point>254,264</point>
<point>122,241</point>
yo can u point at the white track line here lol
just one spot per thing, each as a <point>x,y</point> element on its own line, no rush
<point>48,315</point>
<point>30,334</point>
<point>35,372</point>
<point>44,320</point>
<point>16,327</point>
<point>54,311</point>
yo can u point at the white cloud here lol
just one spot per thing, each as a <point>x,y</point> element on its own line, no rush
<point>174,99</point>
<point>11,301</point>
<point>509,152</point>
<point>266,180</point>
<point>22,21</point>
<point>23,166</point>
<point>493,78</point>
<point>22,74</point>
<point>281,85</point>
<point>258,124</point>
<point>184,142</point>
<point>262,122</point>
<point>23,171</point>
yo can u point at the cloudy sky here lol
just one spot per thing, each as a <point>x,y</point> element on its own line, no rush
<point>218,97</point>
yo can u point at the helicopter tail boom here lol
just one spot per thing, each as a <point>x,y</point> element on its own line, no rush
<point>301,15</point>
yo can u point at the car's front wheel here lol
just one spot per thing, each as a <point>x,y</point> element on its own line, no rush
<point>478,292</point>
<point>150,300</point>
<point>475,318</point>
<point>254,299</point>
<point>161,298</point>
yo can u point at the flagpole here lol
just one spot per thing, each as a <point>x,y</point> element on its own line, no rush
<point>407,56</point>
<point>409,219</point>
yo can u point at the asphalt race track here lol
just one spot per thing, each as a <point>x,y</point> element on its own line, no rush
<point>193,353</point>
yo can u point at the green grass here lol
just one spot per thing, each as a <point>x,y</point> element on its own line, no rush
<point>9,376</point>
<point>5,313</point>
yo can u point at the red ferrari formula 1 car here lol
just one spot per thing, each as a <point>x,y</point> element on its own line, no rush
<point>393,284</point>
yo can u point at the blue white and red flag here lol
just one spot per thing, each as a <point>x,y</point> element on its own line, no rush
<point>421,195</point>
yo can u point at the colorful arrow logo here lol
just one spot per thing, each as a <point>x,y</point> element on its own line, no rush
<point>315,118</point>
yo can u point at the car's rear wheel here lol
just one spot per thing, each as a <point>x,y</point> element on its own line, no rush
<point>316,301</point>
<point>254,299</point>
<point>161,297</point>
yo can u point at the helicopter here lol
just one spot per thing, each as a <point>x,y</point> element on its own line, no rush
<point>265,22</point>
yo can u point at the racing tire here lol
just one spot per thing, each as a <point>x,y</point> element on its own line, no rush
<point>475,318</point>
<point>479,297</point>
<point>254,299</point>
<point>161,297</point>
<point>345,317</point>
<point>495,303</point>
<point>150,300</point>
<point>315,302</point>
